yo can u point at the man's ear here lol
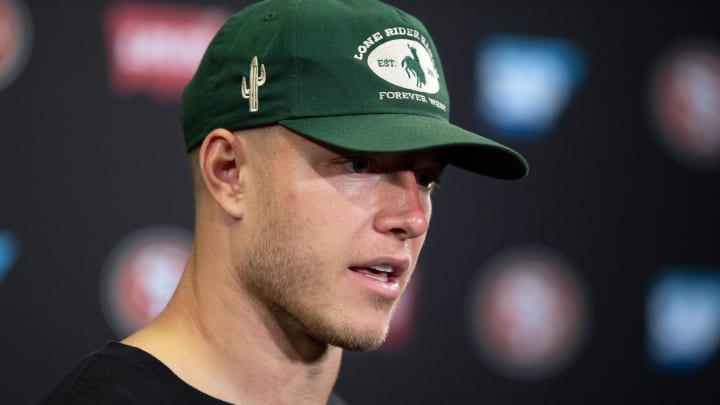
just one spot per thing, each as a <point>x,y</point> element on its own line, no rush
<point>221,159</point>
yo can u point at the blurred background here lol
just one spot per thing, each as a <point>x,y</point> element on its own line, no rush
<point>594,280</point>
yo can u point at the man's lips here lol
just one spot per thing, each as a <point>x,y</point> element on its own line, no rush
<point>382,269</point>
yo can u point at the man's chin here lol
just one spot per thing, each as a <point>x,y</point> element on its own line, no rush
<point>358,341</point>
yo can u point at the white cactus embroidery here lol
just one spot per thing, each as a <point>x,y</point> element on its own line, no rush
<point>256,80</point>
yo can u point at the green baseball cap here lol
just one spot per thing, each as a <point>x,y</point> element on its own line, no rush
<point>358,75</point>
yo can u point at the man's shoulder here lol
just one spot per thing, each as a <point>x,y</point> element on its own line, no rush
<point>100,377</point>
<point>121,374</point>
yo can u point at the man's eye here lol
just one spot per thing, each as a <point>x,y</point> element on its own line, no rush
<point>427,179</point>
<point>359,165</point>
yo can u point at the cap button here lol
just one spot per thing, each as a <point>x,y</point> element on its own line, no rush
<point>269,15</point>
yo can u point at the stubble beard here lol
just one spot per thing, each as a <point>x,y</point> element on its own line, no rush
<point>278,271</point>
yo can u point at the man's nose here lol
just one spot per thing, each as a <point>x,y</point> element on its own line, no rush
<point>405,206</point>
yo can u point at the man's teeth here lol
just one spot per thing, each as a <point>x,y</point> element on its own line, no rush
<point>384,269</point>
<point>382,275</point>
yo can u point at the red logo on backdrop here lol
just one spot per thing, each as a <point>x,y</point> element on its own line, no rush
<point>141,274</point>
<point>15,39</point>
<point>686,102</point>
<point>156,48</point>
<point>527,313</point>
<point>403,321</point>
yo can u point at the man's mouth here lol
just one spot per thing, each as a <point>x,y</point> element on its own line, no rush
<point>381,276</point>
<point>379,273</point>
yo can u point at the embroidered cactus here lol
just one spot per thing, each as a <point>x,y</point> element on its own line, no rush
<point>256,80</point>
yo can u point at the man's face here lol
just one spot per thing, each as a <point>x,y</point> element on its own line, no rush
<point>333,237</point>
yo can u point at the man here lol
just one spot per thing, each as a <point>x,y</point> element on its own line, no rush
<point>316,131</point>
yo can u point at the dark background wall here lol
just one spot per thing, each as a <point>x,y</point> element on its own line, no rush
<point>81,167</point>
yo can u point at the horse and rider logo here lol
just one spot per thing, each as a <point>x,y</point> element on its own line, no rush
<point>405,63</point>
<point>412,67</point>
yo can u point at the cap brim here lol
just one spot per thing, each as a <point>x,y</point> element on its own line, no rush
<point>385,133</point>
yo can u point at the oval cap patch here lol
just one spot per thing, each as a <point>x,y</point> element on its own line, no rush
<point>405,63</point>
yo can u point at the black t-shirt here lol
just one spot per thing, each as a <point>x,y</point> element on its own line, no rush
<point>122,374</point>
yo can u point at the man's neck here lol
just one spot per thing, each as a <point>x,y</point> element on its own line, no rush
<point>218,340</point>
